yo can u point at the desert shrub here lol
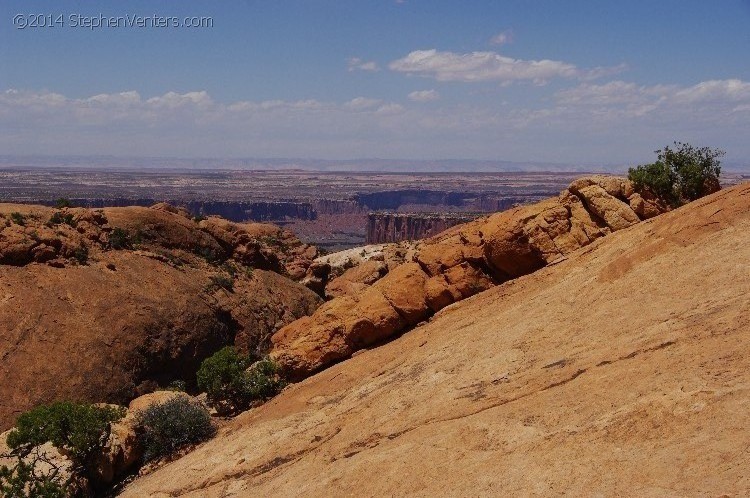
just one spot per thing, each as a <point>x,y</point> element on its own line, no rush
<point>198,218</point>
<point>78,429</point>
<point>211,255</point>
<point>59,218</point>
<point>63,202</point>
<point>172,425</point>
<point>24,480</point>
<point>18,218</point>
<point>81,254</point>
<point>220,374</point>
<point>262,380</point>
<point>679,175</point>
<point>230,268</point>
<point>220,282</point>
<point>119,239</point>
<point>233,381</point>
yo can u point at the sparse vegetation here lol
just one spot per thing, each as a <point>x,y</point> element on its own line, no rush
<point>59,218</point>
<point>198,218</point>
<point>174,424</point>
<point>63,202</point>
<point>680,174</point>
<point>77,430</point>
<point>18,218</point>
<point>233,381</point>
<point>81,254</point>
<point>230,268</point>
<point>119,239</point>
<point>173,259</point>
<point>210,255</point>
<point>225,282</point>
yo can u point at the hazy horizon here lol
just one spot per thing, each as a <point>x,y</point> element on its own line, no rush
<point>403,80</point>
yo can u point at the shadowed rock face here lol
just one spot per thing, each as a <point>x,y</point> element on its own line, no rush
<point>620,370</point>
<point>397,227</point>
<point>99,324</point>
<point>457,264</point>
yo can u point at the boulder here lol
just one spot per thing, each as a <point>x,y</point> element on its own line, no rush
<point>404,290</point>
<point>438,293</point>
<point>646,205</point>
<point>354,280</point>
<point>371,320</point>
<point>465,280</point>
<point>615,213</point>
<point>615,186</point>
<point>310,343</point>
<point>507,249</point>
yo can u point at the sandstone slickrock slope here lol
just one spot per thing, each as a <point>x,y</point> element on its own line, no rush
<point>82,321</point>
<point>620,370</point>
<point>454,265</point>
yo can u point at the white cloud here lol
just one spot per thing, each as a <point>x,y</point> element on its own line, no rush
<point>390,109</point>
<point>122,98</point>
<point>424,95</point>
<point>722,90</point>
<point>612,93</point>
<point>603,71</point>
<point>592,122</point>
<point>628,98</point>
<point>362,103</point>
<point>357,64</point>
<point>502,38</point>
<point>487,66</point>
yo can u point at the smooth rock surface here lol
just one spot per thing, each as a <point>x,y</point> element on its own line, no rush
<point>621,370</point>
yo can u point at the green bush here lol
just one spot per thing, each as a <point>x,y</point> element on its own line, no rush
<point>262,380</point>
<point>172,425</point>
<point>220,282</point>
<point>18,218</point>
<point>212,256</point>
<point>119,239</point>
<point>679,175</point>
<point>63,202</point>
<point>81,254</point>
<point>78,429</point>
<point>59,218</point>
<point>24,480</point>
<point>233,381</point>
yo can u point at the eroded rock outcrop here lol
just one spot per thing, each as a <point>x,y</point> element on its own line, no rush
<point>105,305</point>
<point>456,264</point>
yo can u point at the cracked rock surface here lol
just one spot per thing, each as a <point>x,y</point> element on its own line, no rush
<point>619,370</point>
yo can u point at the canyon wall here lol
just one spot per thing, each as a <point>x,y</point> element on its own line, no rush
<point>395,227</point>
<point>231,210</point>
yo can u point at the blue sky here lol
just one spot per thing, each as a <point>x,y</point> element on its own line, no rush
<point>574,81</point>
